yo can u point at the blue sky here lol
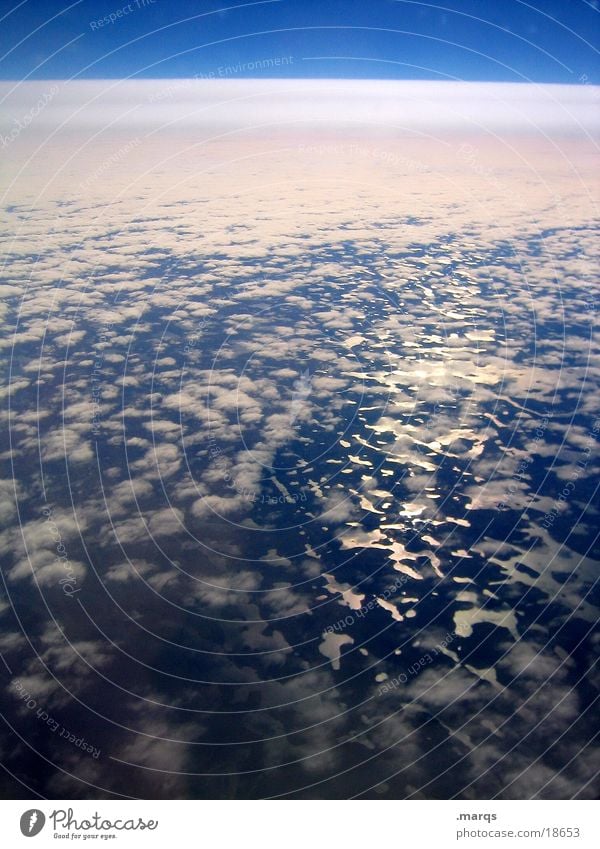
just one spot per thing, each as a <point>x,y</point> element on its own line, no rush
<point>510,40</point>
